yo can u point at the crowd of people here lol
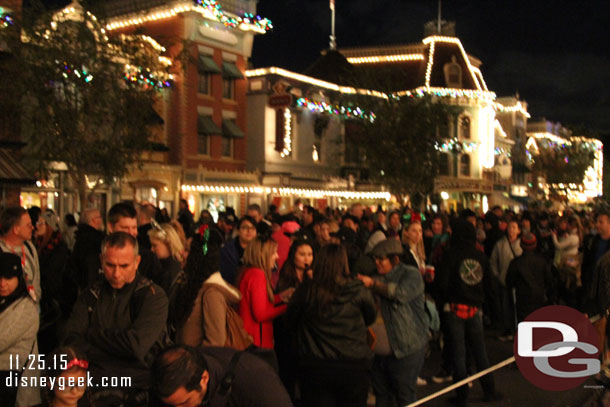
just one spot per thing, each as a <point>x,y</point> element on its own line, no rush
<point>306,308</point>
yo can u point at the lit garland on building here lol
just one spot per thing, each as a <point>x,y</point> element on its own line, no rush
<point>209,9</point>
<point>483,95</point>
<point>454,145</point>
<point>345,112</point>
<point>233,22</point>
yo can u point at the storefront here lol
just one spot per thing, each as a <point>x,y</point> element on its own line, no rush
<point>461,193</point>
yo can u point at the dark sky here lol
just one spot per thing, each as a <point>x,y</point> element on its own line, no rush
<point>556,54</point>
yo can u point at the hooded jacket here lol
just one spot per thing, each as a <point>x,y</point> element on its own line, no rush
<point>206,326</point>
<point>464,274</point>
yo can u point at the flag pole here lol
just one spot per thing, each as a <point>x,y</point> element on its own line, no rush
<point>333,39</point>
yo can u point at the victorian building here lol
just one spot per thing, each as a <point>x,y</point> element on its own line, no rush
<point>475,169</point>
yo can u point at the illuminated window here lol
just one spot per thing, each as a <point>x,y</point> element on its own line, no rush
<point>453,73</point>
<point>465,165</point>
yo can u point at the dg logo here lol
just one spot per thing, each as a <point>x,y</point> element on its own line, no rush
<point>556,348</point>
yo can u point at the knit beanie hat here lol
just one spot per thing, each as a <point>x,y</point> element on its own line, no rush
<point>528,241</point>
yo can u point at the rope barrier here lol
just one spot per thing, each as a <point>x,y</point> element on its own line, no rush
<point>474,377</point>
<point>463,382</point>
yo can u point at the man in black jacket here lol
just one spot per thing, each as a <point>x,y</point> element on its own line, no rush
<point>84,263</point>
<point>189,377</point>
<point>461,282</point>
<point>120,322</point>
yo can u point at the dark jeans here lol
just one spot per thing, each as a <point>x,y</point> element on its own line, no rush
<point>508,309</point>
<point>330,385</point>
<point>468,333</point>
<point>395,380</point>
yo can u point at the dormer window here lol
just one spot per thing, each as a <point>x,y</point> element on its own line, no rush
<point>453,73</point>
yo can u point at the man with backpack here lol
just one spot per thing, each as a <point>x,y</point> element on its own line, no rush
<point>120,322</point>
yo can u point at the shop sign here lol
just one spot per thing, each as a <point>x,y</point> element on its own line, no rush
<point>462,185</point>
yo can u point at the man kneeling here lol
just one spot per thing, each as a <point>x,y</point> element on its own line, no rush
<point>191,377</point>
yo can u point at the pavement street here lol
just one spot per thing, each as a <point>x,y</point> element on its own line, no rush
<point>509,381</point>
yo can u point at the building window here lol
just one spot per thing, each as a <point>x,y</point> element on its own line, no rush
<point>204,83</point>
<point>203,144</point>
<point>453,73</point>
<point>230,131</point>
<point>465,127</point>
<point>227,146</point>
<point>205,68</point>
<point>228,88</point>
<point>230,73</point>
<point>205,128</point>
<point>443,164</point>
<point>465,165</point>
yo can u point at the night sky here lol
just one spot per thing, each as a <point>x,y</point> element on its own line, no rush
<point>556,54</point>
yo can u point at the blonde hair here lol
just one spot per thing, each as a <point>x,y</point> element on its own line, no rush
<point>167,235</point>
<point>258,254</point>
<point>419,248</point>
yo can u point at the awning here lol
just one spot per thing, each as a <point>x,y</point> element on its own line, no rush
<point>502,200</point>
<point>207,65</point>
<point>12,172</point>
<point>230,71</point>
<point>205,125</point>
<point>231,129</point>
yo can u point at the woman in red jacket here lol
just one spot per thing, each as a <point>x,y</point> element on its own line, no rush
<point>259,306</point>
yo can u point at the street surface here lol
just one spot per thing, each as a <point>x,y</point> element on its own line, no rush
<point>516,389</point>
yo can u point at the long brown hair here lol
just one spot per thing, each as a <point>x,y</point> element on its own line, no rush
<point>258,254</point>
<point>330,273</point>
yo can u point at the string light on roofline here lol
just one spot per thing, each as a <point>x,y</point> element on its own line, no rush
<point>385,58</point>
<point>310,193</point>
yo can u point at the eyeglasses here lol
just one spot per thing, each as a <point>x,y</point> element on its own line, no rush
<point>246,228</point>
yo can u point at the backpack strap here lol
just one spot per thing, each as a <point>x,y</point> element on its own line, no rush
<point>226,383</point>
